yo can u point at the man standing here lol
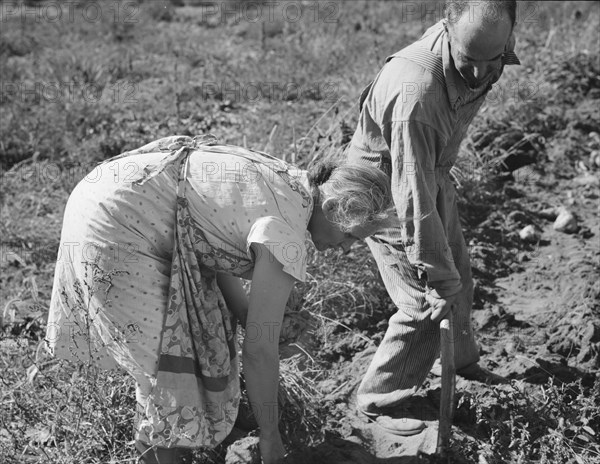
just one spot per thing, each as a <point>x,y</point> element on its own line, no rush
<point>413,118</point>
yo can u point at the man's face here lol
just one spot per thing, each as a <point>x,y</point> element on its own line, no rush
<point>477,47</point>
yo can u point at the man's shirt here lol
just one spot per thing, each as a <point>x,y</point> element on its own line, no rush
<point>413,118</point>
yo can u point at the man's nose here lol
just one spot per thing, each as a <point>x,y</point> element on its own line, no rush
<point>480,71</point>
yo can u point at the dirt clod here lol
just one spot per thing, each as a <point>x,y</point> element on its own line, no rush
<point>244,451</point>
<point>565,222</point>
<point>530,234</point>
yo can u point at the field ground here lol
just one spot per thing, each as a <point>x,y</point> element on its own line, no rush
<point>82,88</point>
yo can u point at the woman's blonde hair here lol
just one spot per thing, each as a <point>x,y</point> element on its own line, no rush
<point>361,192</point>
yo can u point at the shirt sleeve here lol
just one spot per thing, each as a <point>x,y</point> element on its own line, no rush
<point>414,146</point>
<point>285,244</point>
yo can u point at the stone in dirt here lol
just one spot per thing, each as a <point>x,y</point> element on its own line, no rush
<point>565,222</point>
<point>530,234</point>
<point>587,179</point>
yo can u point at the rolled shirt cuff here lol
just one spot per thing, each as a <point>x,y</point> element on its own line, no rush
<point>443,288</point>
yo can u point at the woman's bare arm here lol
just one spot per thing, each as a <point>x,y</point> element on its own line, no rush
<point>271,288</point>
<point>235,296</point>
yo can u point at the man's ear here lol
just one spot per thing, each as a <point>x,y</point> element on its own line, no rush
<point>510,45</point>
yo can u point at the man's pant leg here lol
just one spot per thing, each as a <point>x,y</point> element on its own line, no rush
<point>411,342</point>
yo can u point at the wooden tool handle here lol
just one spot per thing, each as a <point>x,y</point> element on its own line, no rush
<point>448,384</point>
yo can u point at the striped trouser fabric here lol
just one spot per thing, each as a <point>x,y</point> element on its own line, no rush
<point>412,341</point>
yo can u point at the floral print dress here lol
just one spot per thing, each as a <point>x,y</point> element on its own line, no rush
<point>144,236</point>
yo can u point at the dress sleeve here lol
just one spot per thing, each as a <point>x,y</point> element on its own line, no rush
<point>285,244</point>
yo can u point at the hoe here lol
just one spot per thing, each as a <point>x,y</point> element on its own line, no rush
<point>448,386</point>
<point>441,454</point>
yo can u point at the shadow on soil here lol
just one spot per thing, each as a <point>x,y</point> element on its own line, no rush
<point>558,370</point>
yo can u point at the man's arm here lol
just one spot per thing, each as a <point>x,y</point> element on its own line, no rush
<point>415,147</point>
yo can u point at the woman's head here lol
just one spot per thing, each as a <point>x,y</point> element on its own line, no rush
<point>354,200</point>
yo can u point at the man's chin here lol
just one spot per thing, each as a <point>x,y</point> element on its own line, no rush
<point>477,85</point>
<point>472,85</point>
<point>482,85</point>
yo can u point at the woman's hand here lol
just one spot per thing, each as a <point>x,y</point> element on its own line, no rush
<point>271,448</point>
